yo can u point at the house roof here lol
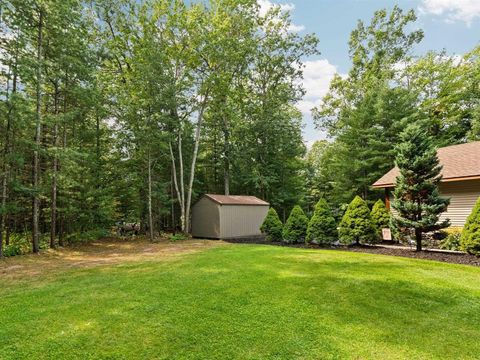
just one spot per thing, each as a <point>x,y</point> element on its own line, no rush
<point>236,199</point>
<point>460,162</point>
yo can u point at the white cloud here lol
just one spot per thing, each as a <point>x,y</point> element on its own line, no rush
<point>317,75</point>
<point>296,28</point>
<point>266,5</point>
<point>453,10</point>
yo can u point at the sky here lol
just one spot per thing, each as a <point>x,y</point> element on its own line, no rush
<point>453,25</point>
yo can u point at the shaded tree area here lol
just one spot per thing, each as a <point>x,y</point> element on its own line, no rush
<point>129,110</point>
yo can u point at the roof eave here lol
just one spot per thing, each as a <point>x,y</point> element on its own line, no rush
<point>444,180</point>
<point>381,186</point>
<point>224,203</point>
<point>462,178</point>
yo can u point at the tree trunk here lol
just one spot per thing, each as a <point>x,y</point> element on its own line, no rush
<point>36,159</point>
<point>98,151</point>
<point>61,235</point>
<point>175,181</point>
<point>53,228</point>
<point>194,161</point>
<point>3,192</point>
<point>226,160</point>
<point>182,186</point>
<point>418,238</point>
<point>7,231</point>
<point>173,204</point>
<point>150,216</point>
<point>4,226</point>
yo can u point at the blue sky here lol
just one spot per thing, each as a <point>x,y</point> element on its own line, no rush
<point>453,25</point>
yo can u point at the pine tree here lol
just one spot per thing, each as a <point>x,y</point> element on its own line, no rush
<point>356,225</point>
<point>470,239</point>
<point>380,217</point>
<point>417,198</point>
<point>295,228</point>
<point>322,228</point>
<point>272,226</point>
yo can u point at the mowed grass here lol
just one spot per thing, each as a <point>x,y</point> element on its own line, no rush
<point>246,302</point>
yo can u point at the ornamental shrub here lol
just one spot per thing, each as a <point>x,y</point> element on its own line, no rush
<point>295,229</point>
<point>451,241</point>
<point>380,217</point>
<point>272,226</point>
<point>322,227</point>
<point>20,244</point>
<point>470,239</point>
<point>356,225</point>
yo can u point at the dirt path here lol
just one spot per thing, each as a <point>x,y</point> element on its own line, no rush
<point>102,252</point>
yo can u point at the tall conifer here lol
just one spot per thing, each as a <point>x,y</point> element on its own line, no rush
<point>417,199</point>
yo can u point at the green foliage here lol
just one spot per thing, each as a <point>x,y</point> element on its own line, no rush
<point>295,229</point>
<point>380,217</point>
<point>88,236</point>
<point>118,92</point>
<point>452,239</point>
<point>272,227</point>
<point>356,225</point>
<point>322,227</point>
<point>417,198</point>
<point>20,244</point>
<point>177,237</point>
<point>122,101</point>
<point>367,111</point>
<point>470,239</point>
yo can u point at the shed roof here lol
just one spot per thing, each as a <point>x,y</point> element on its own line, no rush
<point>236,199</point>
<point>460,162</point>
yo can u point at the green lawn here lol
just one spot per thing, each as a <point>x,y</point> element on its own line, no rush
<point>246,302</point>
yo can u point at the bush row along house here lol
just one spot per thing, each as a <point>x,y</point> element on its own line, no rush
<point>460,180</point>
<point>235,216</point>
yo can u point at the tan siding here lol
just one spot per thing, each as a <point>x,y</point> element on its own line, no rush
<point>392,210</point>
<point>206,219</point>
<point>241,220</point>
<point>463,195</point>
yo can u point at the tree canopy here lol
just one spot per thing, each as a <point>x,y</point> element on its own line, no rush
<point>127,111</point>
<point>136,108</point>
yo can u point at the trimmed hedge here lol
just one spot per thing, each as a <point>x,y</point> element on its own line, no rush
<point>380,217</point>
<point>356,225</point>
<point>295,229</point>
<point>322,227</point>
<point>272,227</point>
<point>470,239</point>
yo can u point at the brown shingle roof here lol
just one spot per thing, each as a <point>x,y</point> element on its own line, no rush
<point>236,199</point>
<point>460,162</point>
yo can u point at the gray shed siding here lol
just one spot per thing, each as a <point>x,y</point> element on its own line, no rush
<point>206,219</point>
<point>241,220</point>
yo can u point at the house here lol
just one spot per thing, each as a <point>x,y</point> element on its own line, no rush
<point>228,216</point>
<point>460,181</point>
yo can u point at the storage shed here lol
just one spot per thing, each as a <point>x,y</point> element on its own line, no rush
<point>228,216</point>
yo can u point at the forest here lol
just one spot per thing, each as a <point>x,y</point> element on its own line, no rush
<point>130,110</point>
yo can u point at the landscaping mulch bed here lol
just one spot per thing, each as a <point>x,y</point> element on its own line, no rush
<point>465,259</point>
<point>453,258</point>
